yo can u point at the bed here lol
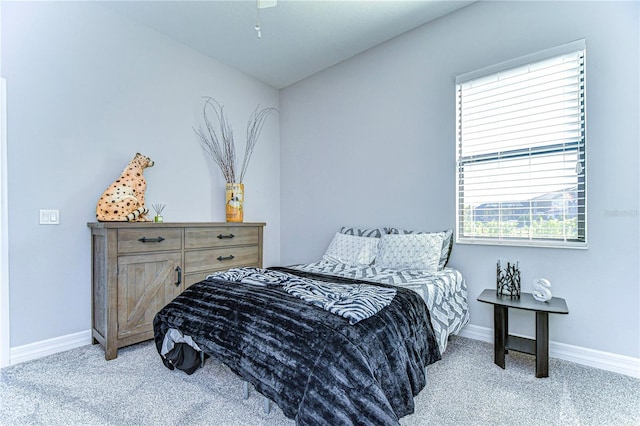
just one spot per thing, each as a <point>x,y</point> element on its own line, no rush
<point>344,340</point>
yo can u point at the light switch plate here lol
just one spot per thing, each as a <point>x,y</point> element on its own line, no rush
<point>49,217</point>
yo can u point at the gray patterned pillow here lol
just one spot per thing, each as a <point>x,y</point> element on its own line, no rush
<point>410,251</point>
<point>447,243</point>
<point>371,233</point>
<point>352,250</point>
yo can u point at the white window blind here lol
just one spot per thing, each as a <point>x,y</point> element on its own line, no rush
<point>521,154</point>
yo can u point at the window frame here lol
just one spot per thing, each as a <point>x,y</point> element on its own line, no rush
<point>580,148</point>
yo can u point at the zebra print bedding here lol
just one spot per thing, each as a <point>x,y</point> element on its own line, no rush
<point>354,302</point>
<point>317,367</point>
<point>445,291</point>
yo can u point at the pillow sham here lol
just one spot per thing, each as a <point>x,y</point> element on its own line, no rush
<point>352,250</point>
<point>447,243</point>
<point>410,251</point>
<point>360,232</point>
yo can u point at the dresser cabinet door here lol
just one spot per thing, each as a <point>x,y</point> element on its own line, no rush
<point>146,283</point>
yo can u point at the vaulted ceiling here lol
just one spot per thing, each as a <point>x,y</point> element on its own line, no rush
<point>298,37</point>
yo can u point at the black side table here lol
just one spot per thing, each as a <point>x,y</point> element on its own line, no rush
<point>503,341</point>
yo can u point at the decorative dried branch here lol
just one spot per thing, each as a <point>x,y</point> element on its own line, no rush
<point>254,128</point>
<point>219,144</point>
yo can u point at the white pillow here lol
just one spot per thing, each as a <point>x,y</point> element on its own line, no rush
<point>447,241</point>
<point>410,251</point>
<point>352,250</point>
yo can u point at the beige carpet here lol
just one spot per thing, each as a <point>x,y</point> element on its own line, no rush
<point>79,387</point>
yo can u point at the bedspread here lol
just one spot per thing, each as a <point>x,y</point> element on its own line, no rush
<point>445,291</point>
<point>312,363</point>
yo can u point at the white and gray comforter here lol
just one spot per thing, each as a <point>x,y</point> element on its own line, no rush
<point>445,292</point>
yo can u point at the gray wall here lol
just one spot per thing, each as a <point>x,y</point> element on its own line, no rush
<point>371,142</point>
<point>86,91</point>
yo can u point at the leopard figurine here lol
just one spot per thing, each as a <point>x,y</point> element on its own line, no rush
<point>123,200</point>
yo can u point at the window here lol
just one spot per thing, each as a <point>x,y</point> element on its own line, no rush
<point>521,161</point>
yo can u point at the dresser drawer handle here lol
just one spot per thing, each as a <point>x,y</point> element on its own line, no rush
<point>150,240</point>
<point>179,271</point>
<point>222,237</point>
<point>230,257</point>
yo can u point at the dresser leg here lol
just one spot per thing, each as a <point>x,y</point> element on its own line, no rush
<point>110,352</point>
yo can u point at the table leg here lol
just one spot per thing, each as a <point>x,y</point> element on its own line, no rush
<point>542,344</point>
<point>506,330</point>
<point>500,327</point>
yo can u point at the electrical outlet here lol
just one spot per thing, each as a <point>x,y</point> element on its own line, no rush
<point>49,217</point>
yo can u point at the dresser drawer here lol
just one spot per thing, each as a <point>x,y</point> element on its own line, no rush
<point>144,240</point>
<point>222,258</point>
<point>222,236</point>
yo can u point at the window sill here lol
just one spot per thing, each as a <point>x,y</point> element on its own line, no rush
<point>523,243</point>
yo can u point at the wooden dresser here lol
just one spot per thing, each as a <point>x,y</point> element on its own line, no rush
<point>137,268</point>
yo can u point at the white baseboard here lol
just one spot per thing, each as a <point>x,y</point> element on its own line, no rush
<point>603,360</point>
<point>476,332</point>
<point>49,347</point>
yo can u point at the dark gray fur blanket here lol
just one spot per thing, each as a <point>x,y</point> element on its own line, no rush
<point>312,363</point>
